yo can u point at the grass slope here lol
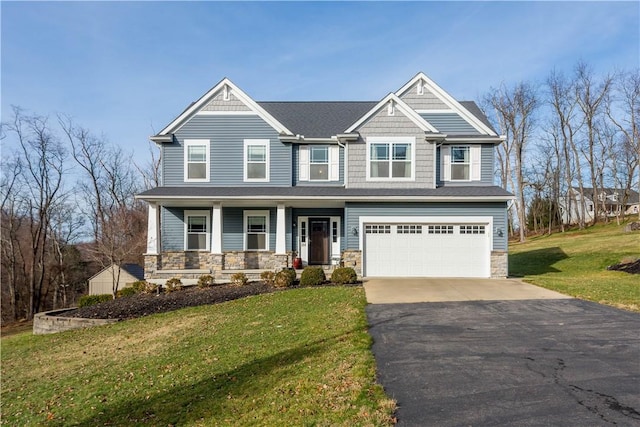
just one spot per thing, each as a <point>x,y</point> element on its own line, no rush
<point>575,262</point>
<point>298,357</point>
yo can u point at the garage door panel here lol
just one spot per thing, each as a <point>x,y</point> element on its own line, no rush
<point>426,250</point>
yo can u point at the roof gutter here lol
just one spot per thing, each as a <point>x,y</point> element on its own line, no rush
<point>159,139</point>
<point>333,198</point>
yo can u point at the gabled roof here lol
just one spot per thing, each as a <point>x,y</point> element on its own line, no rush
<point>238,93</point>
<point>317,119</point>
<point>634,197</point>
<point>133,269</point>
<point>456,106</point>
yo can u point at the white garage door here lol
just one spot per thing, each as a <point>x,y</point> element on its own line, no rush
<point>426,250</point>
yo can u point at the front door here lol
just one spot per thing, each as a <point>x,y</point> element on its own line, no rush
<point>319,241</point>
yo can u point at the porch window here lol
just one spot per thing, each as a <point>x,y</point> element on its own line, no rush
<point>390,158</point>
<point>319,163</point>
<point>196,160</point>
<point>197,230</point>
<point>256,225</point>
<point>256,154</point>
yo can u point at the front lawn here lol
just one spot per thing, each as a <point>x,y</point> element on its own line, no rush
<point>299,357</point>
<point>575,263</point>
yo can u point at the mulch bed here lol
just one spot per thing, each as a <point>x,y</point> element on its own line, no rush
<point>627,267</point>
<point>140,305</point>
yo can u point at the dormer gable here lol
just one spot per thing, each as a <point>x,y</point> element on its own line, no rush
<point>224,98</point>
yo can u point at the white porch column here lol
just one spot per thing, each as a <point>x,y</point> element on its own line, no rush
<point>281,232</point>
<point>152,229</point>
<point>216,226</point>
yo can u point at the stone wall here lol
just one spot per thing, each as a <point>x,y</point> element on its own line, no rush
<point>352,258</point>
<point>499,264</point>
<point>50,322</point>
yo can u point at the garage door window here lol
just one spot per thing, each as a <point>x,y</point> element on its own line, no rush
<point>472,229</point>
<point>441,229</point>
<point>377,229</point>
<point>409,229</point>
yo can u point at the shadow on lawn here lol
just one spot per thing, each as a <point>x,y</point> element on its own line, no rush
<point>212,398</point>
<point>534,263</point>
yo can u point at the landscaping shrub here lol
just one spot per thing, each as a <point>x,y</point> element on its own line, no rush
<point>206,280</point>
<point>268,277</point>
<point>285,278</point>
<point>87,300</point>
<point>144,286</point>
<point>344,275</point>
<point>173,284</point>
<point>239,279</point>
<point>312,276</point>
<point>126,292</point>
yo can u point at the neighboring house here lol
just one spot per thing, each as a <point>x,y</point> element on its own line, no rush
<point>606,202</point>
<point>402,186</point>
<point>102,282</point>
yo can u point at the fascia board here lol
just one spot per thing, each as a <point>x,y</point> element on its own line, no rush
<point>238,93</point>
<point>447,99</point>
<point>333,198</point>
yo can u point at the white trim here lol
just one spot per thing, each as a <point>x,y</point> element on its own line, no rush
<point>335,246</point>
<point>152,229</point>
<point>411,140</point>
<point>227,113</point>
<point>303,163</point>
<point>270,202</point>
<point>257,142</point>
<point>189,142</point>
<point>238,93</point>
<point>303,247</point>
<point>216,232</point>
<point>475,154</point>
<point>400,105</point>
<point>334,162</point>
<point>281,232</point>
<point>248,213</point>
<point>204,213</point>
<point>447,99</point>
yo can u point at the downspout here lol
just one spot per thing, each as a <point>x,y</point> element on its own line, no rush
<point>346,164</point>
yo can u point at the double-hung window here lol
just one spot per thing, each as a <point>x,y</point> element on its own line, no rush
<point>390,158</point>
<point>196,160</point>
<point>460,163</point>
<point>197,230</point>
<point>256,226</point>
<point>318,163</point>
<point>256,155</point>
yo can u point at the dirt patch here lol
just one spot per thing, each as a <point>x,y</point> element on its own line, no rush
<point>632,267</point>
<point>145,304</point>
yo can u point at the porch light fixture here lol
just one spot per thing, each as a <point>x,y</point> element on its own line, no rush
<point>499,232</point>
<point>354,231</point>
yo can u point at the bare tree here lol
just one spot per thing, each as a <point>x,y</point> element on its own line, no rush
<point>151,171</point>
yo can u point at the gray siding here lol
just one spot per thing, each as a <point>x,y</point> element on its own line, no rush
<point>233,228</point>
<point>498,210</point>
<point>219,104</point>
<point>397,125</point>
<point>296,170</point>
<point>487,169</point>
<point>450,123</point>
<point>426,101</point>
<point>320,213</point>
<point>226,134</point>
<point>172,225</point>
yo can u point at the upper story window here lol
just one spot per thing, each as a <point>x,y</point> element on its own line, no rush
<point>256,155</point>
<point>460,162</point>
<point>256,226</point>
<point>196,160</point>
<point>196,230</point>
<point>318,163</point>
<point>390,158</point>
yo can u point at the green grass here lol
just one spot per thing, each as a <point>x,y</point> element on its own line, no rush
<point>575,262</point>
<point>298,357</point>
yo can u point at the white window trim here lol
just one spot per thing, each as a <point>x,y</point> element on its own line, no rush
<point>304,164</point>
<point>247,214</point>
<point>207,215</point>
<point>253,142</point>
<point>475,160</point>
<point>391,140</point>
<point>187,144</point>
<point>452,163</point>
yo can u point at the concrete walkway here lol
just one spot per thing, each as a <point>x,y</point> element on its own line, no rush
<point>413,290</point>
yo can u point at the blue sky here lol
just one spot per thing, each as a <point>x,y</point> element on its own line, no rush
<point>126,69</point>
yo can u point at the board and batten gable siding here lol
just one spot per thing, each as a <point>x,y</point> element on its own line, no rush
<point>226,134</point>
<point>397,125</point>
<point>450,123</point>
<point>425,101</point>
<point>487,169</point>
<point>296,170</point>
<point>497,210</point>
<point>218,103</point>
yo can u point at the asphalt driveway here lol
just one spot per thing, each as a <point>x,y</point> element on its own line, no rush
<point>522,362</point>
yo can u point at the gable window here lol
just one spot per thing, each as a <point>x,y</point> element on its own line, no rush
<point>256,226</point>
<point>256,155</point>
<point>196,230</point>
<point>196,160</point>
<point>390,158</point>
<point>460,163</point>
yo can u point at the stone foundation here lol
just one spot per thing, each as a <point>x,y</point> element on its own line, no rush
<point>499,264</point>
<point>352,258</point>
<point>50,322</point>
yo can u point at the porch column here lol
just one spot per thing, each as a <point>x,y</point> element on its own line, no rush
<point>281,232</point>
<point>216,226</point>
<point>152,229</point>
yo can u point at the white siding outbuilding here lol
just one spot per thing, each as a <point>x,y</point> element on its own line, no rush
<point>102,282</point>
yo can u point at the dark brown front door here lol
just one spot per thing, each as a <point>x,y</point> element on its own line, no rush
<point>319,241</point>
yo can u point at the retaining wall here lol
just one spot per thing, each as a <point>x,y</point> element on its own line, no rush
<point>50,322</point>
